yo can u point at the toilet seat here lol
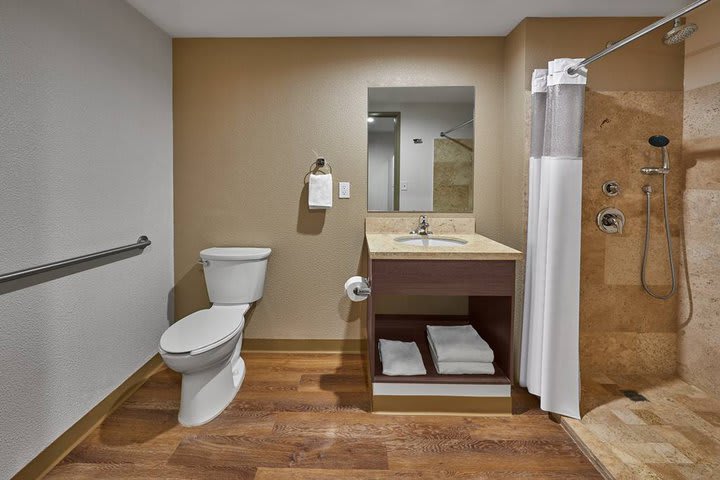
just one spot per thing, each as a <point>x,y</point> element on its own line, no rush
<point>204,330</point>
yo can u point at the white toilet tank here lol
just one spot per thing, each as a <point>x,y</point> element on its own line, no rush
<point>235,275</point>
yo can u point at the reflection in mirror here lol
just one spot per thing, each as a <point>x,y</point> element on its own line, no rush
<point>420,149</point>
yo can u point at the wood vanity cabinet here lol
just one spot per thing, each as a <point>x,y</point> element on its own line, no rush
<point>489,286</point>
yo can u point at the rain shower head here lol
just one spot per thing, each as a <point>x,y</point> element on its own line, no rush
<point>679,33</point>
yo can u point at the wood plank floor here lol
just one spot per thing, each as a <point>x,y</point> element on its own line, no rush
<point>305,417</point>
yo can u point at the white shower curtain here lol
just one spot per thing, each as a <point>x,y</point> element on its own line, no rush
<point>549,364</point>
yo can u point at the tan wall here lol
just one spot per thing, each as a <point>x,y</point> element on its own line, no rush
<point>699,315</point>
<point>644,65</point>
<point>632,94</point>
<point>248,114</point>
<point>702,50</point>
<point>515,164</point>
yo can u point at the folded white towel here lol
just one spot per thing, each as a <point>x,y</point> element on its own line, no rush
<point>461,368</point>
<point>459,343</point>
<point>400,358</point>
<point>320,191</point>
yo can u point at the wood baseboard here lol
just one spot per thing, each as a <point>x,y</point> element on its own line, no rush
<point>351,345</point>
<point>57,450</point>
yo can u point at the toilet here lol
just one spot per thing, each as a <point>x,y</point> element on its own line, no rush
<point>205,346</point>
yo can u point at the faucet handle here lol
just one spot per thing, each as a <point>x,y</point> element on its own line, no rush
<point>611,220</point>
<point>618,223</point>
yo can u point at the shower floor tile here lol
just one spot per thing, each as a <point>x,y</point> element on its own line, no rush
<point>675,434</point>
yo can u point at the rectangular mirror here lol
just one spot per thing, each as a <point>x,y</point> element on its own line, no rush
<point>420,149</point>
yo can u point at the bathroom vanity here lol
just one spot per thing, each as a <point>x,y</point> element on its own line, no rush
<point>452,261</point>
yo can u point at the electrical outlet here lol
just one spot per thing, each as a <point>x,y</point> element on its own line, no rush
<point>344,190</point>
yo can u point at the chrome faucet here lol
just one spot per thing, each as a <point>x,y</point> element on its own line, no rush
<point>423,227</point>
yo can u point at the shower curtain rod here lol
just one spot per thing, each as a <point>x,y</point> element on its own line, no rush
<point>444,134</point>
<point>630,38</point>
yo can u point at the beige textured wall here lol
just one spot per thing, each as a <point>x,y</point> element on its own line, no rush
<point>699,315</point>
<point>644,65</point>
<point>248,114</point>
<point>632,94</point>
<point>515,164</point>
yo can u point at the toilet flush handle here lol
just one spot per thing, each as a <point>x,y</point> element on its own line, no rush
<point>204,263</point>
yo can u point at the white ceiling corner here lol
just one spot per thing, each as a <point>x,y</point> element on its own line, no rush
<point>375,18</point>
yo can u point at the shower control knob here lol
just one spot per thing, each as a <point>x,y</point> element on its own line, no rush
<point>611,220</point>
<point>611,188</point>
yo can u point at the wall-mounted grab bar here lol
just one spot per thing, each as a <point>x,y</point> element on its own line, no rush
<point>141,243</point>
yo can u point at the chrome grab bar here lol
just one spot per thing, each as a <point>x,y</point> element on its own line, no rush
<point>141,243</point>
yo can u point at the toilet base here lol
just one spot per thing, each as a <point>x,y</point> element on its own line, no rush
<point>205,394</point>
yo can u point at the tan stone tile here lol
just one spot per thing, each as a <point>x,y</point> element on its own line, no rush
<point>404,224</point>
<point>698,471</point>
<point>619,434</point>
<point>650,452</point>
<point>608,352</point>
<point>623,260</point>
<point>648,416</point>
<point>702,403</point>
<point>666,471</point>
<point>628,416</point>
<point>701,115</point>
<point>712,418</point>
<point>657,352</point>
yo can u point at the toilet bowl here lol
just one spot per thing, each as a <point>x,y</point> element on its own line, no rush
<point>205,346</point>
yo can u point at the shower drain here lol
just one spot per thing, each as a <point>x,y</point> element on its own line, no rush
<point>634,395</point>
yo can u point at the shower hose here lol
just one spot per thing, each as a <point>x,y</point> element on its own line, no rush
<point>648,194</point>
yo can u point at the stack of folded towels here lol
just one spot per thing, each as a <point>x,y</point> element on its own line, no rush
<point>400,358</point>
<point>459,350</point>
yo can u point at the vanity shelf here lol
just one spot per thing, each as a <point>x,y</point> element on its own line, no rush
<point>489,287</point>
<point>411,328</point>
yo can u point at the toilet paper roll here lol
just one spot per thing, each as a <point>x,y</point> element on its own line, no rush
<point>351,284</point>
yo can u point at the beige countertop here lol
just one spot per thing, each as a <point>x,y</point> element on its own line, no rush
<point>382,232</point>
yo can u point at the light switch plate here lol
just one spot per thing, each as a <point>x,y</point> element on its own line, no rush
<point>403,186</point>
<point>344,190</point>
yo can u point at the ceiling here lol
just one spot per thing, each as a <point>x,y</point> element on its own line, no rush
<point>375,18</point>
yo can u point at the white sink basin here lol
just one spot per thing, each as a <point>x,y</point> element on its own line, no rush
<point>430,241</point>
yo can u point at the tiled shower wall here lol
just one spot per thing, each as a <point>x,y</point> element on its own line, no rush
<point>623,329</point>
<point>699,313</point>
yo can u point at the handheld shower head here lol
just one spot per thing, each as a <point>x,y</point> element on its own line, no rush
<point>661,142</point>
<point>679,33</point>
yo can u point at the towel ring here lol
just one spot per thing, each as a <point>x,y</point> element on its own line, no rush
<point>316,166</point>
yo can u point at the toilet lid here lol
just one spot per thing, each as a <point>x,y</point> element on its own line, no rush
<point>203,328</point>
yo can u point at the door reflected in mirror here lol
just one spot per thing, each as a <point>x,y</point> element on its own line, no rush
<point>420,149</point>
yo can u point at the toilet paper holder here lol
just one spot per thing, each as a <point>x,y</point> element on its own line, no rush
<point>362,290</point>
<point>357,288</point>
